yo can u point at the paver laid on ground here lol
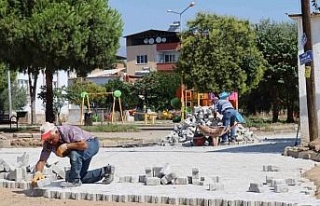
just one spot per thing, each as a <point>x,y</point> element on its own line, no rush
<point>250,173</point>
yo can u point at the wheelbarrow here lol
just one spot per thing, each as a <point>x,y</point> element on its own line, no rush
<point>214,132</point>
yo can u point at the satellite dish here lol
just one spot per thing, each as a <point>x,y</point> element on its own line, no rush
<point>151,41</point>
<point>145,41</point>
<point>164,39</point>
<point>158,39</point>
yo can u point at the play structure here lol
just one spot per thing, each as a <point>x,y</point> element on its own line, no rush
<point>86,98</point>
<point>186,100</point>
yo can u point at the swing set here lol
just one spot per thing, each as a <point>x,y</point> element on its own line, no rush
<point>116,96</point>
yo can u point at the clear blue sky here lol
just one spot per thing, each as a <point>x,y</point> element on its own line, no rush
<point>141,15</point>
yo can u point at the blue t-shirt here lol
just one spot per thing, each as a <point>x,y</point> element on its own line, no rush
<point>221,105</point>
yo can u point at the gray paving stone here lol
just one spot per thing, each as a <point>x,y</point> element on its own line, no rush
<point>76,196</point>
<point>151,199</point>
<point>156,172</point>
<point>149,172</point>
<point>256,187</point>
<point>181,181</point>
<point>152,181</point>
<point>195,173</point>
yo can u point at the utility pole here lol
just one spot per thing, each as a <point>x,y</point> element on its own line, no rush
<point>309,66</point>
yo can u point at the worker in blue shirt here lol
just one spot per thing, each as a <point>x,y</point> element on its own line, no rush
<point>225,108</point>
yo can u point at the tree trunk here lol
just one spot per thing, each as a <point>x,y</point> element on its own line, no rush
<point>49,96</point>
<point>290,117</point>
<point>33,76</point>
<point>275,105</point>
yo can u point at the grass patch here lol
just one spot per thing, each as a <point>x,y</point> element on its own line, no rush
<point>111,128</point>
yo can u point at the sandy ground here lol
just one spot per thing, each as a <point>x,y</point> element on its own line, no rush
<point>17,197</point>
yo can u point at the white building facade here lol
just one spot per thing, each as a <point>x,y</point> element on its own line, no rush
<point>315,32</point>
<point>60,79</point>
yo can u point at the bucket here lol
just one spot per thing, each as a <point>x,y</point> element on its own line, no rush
<point>239,118</point>
<point>199,141</point>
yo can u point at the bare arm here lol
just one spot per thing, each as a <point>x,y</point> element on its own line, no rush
<point>40,165</point>
<point>81,145</point>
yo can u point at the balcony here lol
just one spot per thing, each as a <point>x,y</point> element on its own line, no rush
<point>166,66</point>
<point>169,46</point>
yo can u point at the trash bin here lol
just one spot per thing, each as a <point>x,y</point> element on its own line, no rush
<point>87,119</point>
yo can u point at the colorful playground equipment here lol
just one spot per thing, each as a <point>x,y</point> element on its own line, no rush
<point>193,99</point>
<point>116,96</point>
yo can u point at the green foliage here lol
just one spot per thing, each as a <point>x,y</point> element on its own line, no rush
<point>219,53</point>
<point>111,128</point>
<point>129,97</point>
<point>59,98</point>
<point>315,5</point>
<point>78,86</point>
<point>158,89</point>
<point>278,43</point>
<point>61,34</point>
<point>18,97</point>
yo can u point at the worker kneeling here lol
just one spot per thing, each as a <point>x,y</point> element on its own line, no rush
<point>80,146</point>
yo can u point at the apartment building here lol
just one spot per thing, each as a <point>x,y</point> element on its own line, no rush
<point>151,50</point>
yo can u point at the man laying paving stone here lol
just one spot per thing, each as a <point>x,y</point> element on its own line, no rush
<point>80,146</point>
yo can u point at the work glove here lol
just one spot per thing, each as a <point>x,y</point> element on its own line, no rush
<point>37,176</point>
<point>62,150</point>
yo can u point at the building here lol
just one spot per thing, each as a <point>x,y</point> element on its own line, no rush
<point>63,78</point>
<point>315,28</point>
<point>151,50</point>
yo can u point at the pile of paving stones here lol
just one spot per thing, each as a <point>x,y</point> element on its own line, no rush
<point>21,174</point>
<point>186,131</point>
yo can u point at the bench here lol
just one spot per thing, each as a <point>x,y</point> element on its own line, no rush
<point>6,119</point>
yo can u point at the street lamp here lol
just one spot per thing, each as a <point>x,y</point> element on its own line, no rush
<point>180,32</point>
<point>180,17</point>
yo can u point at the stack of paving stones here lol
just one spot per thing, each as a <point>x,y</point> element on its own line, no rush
<point>280,185</point>
<point>163,175</point>
<point>186,131</point>
<point>21,174</point>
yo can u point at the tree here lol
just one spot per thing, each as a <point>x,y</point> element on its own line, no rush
<point>18,97</point>
<point>61,34</point>
<point>278,43</point>
<point>60,97</point>
<point>219,53</point>
<point>315,5</point>
<point>78,86</point>
<point>158,89</point>
<point>129,96</point>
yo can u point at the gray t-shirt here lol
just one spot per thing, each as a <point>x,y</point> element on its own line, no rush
<point>68,134</point>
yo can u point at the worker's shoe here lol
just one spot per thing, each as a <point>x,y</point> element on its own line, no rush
<point>74,183</point>
<point>108,174</point>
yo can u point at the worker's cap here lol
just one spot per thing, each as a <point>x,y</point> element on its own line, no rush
<point>224,95</point>
<point>46,130</point>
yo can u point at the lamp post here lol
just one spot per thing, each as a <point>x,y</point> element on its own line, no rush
<point>180,32</point>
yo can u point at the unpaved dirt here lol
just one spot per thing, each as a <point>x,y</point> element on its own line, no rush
<point>314,176</point>
<point>18,197</point>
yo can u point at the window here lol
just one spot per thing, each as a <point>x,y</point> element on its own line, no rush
<point>142,59</point>
<point>168,58</point>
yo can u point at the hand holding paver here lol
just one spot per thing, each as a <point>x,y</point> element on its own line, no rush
<point>37,176</point>
<point>62,149</point>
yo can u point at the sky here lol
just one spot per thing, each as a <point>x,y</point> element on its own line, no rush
<point>141,15</point>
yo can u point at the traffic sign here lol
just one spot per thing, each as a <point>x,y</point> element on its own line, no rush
<point>305,57</point>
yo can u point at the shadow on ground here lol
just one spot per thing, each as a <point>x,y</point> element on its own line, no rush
<point>267,146</point>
